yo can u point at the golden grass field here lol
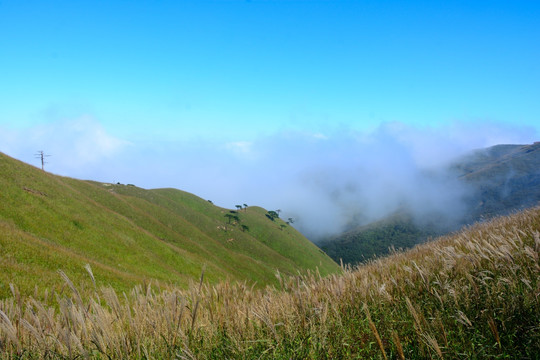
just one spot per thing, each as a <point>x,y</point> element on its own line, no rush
<point>473,294</point>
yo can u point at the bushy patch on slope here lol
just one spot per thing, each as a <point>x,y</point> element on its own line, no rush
<point>376,239</point>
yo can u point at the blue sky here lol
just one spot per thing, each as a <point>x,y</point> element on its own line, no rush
<point>234,68</point>
<point>206,90</point>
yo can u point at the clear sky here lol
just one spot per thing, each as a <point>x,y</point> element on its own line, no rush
<point>94,81</point>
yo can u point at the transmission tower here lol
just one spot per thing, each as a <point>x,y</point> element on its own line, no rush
<point>41,155</point>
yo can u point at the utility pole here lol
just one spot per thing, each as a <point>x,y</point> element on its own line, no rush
<point>41,155</point>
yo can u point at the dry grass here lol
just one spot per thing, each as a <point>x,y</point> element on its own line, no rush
<point>474,294</point>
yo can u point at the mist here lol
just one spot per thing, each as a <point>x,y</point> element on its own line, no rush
<point>327,182</point>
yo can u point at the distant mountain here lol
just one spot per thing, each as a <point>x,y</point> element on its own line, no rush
<point>505,178</point>
<point>130,235</point>
<point>502,179</point>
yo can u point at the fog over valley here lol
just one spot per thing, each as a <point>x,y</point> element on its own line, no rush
<point>327,182</point>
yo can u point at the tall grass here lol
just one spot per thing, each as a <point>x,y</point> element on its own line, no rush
<point>475,294</point>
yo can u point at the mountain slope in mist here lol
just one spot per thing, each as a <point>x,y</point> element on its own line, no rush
<point>499,180</point>
<point>505,178</point>
<point>130,235</point>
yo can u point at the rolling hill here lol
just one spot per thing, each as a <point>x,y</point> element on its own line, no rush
<point>129,235</point>
<point>502,179</point>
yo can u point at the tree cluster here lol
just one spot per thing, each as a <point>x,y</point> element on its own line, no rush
<point>233,217</point>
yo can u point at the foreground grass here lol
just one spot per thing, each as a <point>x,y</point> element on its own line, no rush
<point>471,295</point>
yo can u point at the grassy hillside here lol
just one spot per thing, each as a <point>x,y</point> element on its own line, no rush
<point>473,295</point>
<point>129,235</point>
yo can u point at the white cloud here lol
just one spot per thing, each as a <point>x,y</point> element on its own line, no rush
<point>324,180</point>
<point>328,181</point>
<point>240,147</point>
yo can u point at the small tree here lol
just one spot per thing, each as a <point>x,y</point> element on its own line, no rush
<point>230,217</point>
<point>238,207</point>
<point>245,207</point>
<point>244,227</point>
<point>291,220</point>
<point>282,226</point>
<point>272,215</point>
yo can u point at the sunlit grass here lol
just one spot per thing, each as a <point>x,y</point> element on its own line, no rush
<point>474,294</point>
<point>130,235</point>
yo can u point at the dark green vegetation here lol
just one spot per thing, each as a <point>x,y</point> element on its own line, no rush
<point>501,179</point>
<point>376,239</point>
<point>472,295</point>
<point>129,235</point>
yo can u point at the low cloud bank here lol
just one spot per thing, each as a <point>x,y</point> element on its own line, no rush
<point>326,182</point>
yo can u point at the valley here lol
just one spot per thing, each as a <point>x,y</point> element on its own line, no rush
<point>498,180</point>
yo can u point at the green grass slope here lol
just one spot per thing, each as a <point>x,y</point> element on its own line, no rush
<point>129,235</point>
